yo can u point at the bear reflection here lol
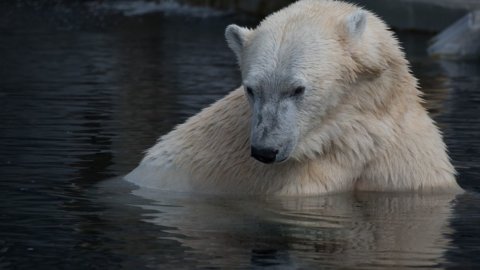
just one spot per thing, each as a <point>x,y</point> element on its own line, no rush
<point>362,230</point>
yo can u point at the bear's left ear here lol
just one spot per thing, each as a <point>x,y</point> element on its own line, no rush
<point>236,37</point>
<point>355,24</point>
<point>370,64</point>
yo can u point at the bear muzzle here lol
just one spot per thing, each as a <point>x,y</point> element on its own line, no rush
<point>265,155</point>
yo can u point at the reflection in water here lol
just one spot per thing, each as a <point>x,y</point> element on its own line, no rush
<point>82,94</point>
<point>365,230</point>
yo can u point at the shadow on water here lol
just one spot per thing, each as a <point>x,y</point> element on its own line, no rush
<point>84,91</point>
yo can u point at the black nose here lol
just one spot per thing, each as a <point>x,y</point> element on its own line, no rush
<point>265,155</point>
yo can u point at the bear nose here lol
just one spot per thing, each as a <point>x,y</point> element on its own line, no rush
<point>265,155</point>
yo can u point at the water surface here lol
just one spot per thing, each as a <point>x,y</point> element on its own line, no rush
<point>84,90</point>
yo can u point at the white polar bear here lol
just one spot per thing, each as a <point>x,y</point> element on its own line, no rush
<point>328,104</point>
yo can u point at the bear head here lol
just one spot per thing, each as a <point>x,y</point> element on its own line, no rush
<point>297,65</point>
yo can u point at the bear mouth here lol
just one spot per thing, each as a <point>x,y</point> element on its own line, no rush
<point>268,162</point>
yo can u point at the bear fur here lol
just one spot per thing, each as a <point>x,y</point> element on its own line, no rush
<point>361,125</point>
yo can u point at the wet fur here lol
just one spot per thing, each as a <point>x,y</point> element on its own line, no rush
<point>372,133</point>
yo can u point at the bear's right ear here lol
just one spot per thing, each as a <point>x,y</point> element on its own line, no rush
<point>236,37</point>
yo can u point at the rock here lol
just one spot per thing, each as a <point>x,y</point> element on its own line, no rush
<point>459,41</point>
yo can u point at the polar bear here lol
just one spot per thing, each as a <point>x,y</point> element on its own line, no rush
<point>327,104</point>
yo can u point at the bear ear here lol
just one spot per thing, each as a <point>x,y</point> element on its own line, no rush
<point>355,24</point>
<point>236,37</point>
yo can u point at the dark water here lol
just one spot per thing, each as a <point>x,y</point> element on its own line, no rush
<point>84,90</point>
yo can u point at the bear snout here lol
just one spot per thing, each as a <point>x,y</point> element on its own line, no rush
<point>265,155</point>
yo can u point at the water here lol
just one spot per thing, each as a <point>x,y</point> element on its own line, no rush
<point>85,89</point>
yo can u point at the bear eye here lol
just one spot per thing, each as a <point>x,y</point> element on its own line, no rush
<point>298,91</point>
<point>250,91</point>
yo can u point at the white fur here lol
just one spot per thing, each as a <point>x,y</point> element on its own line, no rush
<point>236,37</point>
<point>360,124</point>
<point>356,22</point>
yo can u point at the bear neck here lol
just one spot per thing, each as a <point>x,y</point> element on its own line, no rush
<point>373,108</point>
